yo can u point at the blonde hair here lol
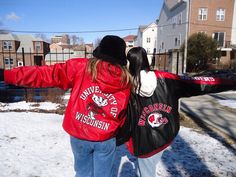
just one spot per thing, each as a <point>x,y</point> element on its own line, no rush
<point>92,70</point>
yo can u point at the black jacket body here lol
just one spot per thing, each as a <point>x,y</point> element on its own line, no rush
<point>153,122</point>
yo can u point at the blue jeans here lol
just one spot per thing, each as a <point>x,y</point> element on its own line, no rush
<point>93,159</point>
<point>147,166</point>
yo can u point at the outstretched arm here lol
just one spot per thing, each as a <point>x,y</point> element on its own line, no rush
<point>59,75</point>
<point>185,86</point>
<point>202,85</point>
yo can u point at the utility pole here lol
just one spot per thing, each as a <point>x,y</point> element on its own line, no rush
<point>186,34</point>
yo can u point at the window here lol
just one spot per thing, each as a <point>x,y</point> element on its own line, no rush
<point>37,45</point>
<point>148,50</point>
<point>130,43</point>
<point>180,19</point>
<point>223,53</point>
<point>148,39</point>
<point>174,21</point>
<point>220,14</point>
<point>202,14</point>
<point>162,45</point>
<point>178,40</point>
<point>8,62</point>
<point>220,38</point>
<point>7,45</point>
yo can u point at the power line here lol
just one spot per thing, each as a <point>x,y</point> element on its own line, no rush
<point>74,32</point>
<point>116,30</point>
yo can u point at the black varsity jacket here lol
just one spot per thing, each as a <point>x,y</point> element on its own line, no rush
<point>153,122</point>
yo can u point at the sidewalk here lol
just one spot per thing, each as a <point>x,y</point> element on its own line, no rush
<point>217,110</point>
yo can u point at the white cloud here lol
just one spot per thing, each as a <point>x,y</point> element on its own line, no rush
<point>13,16</point>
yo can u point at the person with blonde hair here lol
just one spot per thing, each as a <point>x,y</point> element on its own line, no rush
<point>100,90</point>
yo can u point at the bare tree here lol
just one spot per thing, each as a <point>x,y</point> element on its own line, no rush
<point>202,50</point>
<point>42,36</point>
<point>80,40</point>
<point>76,40</point>
<point>73,39</point>
<point>97,42</point>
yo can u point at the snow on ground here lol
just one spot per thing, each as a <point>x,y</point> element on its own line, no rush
<point>35,145</point>
<point>229,103</point>
<point>28,106</point>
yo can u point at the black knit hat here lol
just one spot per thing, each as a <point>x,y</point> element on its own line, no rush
<point>111,49</point>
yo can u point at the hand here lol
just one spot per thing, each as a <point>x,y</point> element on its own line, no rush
<point>1,74</point>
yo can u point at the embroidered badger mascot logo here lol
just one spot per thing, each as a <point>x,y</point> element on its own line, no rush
<point>95,106</point>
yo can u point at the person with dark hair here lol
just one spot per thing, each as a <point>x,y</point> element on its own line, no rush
<point>152,118</point>
<point>97,106</point>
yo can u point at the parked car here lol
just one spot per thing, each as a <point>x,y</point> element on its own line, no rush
<point>220,73</point>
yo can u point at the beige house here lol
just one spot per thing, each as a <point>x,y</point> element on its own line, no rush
<point>60,53</point>
<point>64,39</point>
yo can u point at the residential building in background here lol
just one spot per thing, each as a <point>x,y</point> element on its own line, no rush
<point>214,18</point>
<point>179,19</point>
<point>60,54</point>
<point>139,39</point>
<point>130,41</point>
<point>147,38</point>
<point>62,39</point>
<point>22,50</point>
<point>83,50</point>
<point>172,32</point>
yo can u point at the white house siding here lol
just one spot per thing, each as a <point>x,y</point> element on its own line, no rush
<point>171,33</point>
<point>139,41</point>
<point>171,26</point>
<point>149,40</point>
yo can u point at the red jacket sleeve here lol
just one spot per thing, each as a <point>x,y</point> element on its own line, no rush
<point>59,75</point>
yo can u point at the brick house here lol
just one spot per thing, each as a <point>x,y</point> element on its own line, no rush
<point>215,18</point>
<point>181,18</point>
<point>22,50</point>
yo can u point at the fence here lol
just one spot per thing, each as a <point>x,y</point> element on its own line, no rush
<point>63,55</point>
<point>160,61</point>
<point>10,59</point>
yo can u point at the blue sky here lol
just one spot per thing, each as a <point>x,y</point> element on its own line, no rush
<point>78,16</point>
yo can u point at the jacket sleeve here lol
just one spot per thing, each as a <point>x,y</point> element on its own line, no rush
<point>193,86</point>
<point>59,75</point>
<point>124,133</point>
